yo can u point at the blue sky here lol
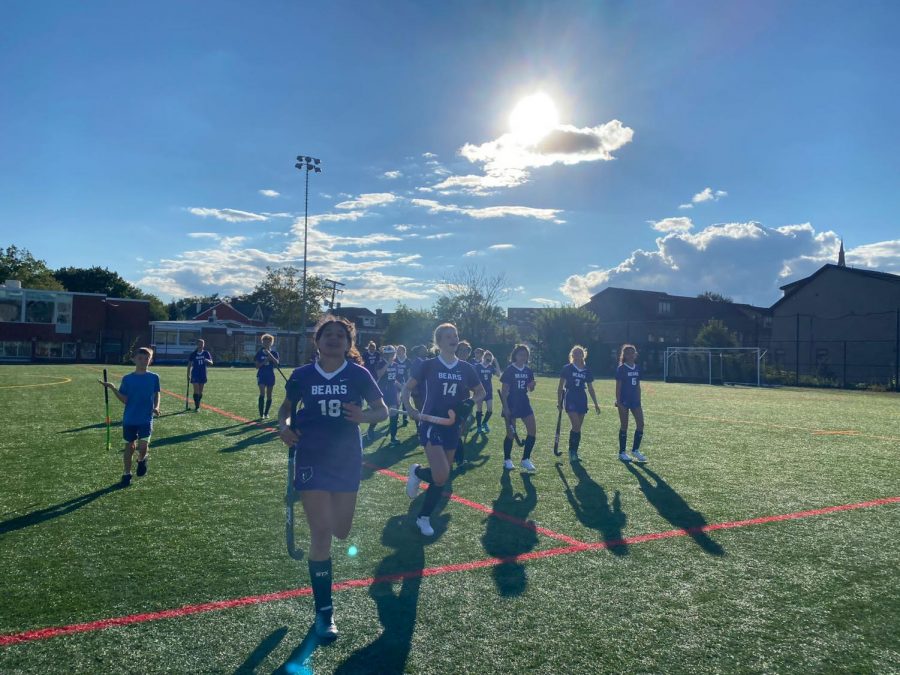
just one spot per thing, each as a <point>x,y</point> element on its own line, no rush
<point>699,146</point>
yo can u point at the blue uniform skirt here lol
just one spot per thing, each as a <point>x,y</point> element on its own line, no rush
<point>328,465</point>
<point>576,402</point>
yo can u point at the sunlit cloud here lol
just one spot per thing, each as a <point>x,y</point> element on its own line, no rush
<point>489,211</point>
<point>367,200</point>
<point>269,193</point>
<point>229,215</point>
<point>392,175</point>
<point>680,224</point>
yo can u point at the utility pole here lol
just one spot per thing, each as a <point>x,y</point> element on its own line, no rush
<point>334,290</point>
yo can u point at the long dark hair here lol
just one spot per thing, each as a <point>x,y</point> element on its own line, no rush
<point>516,350</point>
<point>349,328</point>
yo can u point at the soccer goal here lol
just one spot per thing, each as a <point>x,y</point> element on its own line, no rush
<point>714,365</point>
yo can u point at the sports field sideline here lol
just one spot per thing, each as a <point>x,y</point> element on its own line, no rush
<point>761,536</point>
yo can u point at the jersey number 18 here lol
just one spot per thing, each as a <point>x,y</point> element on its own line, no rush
<point>331,408</point>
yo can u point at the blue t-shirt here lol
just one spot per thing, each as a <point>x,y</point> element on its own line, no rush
<point>198,362</point>
<point>443,386</point>
<point>140,389</point>
<point>267,368</point>
<point>629,378</point>
<point>486,374</point>
<point>576,380</point>
<point>320,420</point>
<point>517,379</point>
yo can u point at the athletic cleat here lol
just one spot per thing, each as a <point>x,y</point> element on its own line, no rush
<point>394,441</point>
<point>424,525</point>
<point>142,467</point>
<point>412,483</point>
<point>485,428</point>
<point>325,628</point>
<point>638,456</point>
<point>528,465</point>
<point>624,457</point>
<point>508,465</point>
<point>126,480</point>
<point>573,457</point>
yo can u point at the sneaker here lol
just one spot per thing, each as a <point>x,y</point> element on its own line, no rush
<point>528,465</point>
<point>412,483</point>
<point>424,525</point>
<point>573,457</point>
<point>126,480</point>
<point>638,456</point>
<point>486,428</point>
<point>142,467</point>
<point>508,465</point>
<point>325,628</point>
<point>624,457</point>
<point>394,441</point>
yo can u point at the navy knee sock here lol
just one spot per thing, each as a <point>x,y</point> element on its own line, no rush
<point>259,403</point>
<point>529,446</point>
<point>487,416</point>
<point>432,497</point>
<point>623,439</point>
<point>320,576</point>
<point>638,435</point>
<point>574,440</point>
<point>393,428</point>
<point>507,448</point>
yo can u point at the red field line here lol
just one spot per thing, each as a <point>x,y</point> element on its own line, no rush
<point>484,509</point>
<point>45,633</point>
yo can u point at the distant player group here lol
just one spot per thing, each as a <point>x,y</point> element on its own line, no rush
<point>329,398</point>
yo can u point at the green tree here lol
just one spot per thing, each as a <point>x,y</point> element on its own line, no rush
<point>409,326</point>
<point>103,280</point>
<point>471,300</point>
<point>186,308</point>
<point>715,333</point>
<point>714,297</point>
<point>281,292</point>
<point>18,264</point>
<point>558,328</point>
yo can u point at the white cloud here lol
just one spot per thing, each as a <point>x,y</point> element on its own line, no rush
<point>746,261</point>
<point>508,160</point>
<point>392,175</point>
<point>203,235</point>
<point>544,301</point>
<point>470,254</point>
<point>368,199</point>
<point>429,155</point>
<point>708,195</point>
<point>685,206</point>
<point>501,247</point>
<point>439,235</point>
<point>279,214</point>
<point>269,193</point>
<point>489,211</point>
<point>230,215</point>
<point>334,217</point>
<point>681,224</point>
<point>407,228</point>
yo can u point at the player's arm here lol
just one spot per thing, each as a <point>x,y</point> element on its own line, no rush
<point>272,358</point>
<point>590,386</point>
<point>405,397</point>
<point>504,393</point>
<point>287,435</point>
<point>478,394</point>
<point>209,360</point>
<point>561,391</point>
<point>156,403</point>
<point>376,412</point>
<point>119,395</point>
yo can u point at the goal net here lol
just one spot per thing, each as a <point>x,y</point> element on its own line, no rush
<point>714,365</point>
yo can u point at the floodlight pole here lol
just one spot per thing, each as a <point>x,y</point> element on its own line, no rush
<point>305,164</point>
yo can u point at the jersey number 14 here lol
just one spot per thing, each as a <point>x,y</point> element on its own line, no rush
<point>449,389</point>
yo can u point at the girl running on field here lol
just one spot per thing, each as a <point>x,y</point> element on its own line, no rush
<point>446,382</point>
<point>266,360</point>
<point>325,430</point>
<point>486,370</point>
<point>371,357</point>
<point>628,398</point>
<point>573,380</point>
<point>517,381</point>
<point>403,366</point>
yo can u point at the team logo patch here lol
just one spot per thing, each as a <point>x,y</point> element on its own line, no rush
<point>304,474</point>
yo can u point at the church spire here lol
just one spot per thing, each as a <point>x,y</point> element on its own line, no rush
<point>841,261</point>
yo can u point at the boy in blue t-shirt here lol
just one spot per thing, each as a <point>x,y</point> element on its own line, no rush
<point>139,391</point>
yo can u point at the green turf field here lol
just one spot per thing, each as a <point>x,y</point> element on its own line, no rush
<point>812,594</point>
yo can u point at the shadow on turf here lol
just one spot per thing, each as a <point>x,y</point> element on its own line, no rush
<point>246,442</point>
<point>259,654</point>
<point>55,511</point>
<point>505,539</point>
<point>592,507</point>
<point>397,611</point>
<point>193,435</point>
<point>672,506</point>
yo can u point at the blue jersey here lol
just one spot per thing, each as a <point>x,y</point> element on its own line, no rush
<point>198,362</point>
<point>140,390</point>
<point>629,378</point>
<point>403,368</point>
<point>266,368</point>
<point>415,367</point>
<point>389,385</point>
<point>576,379</point>
<point>486,374</point>
<point>444,386</point>
<point>370,360</point>
<point>320,420</point>
<point>517,379</point>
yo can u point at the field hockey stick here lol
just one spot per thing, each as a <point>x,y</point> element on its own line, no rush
<point>556,450</point>
<point>187,392</point>
<point>511,425</point>
<point>106,400</point>
<point>290,498</point>
<point>277,367</point>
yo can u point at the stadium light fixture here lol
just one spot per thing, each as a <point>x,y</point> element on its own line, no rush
<point>305,164</point>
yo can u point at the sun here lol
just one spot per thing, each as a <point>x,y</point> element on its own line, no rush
<point>533,118</point>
